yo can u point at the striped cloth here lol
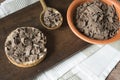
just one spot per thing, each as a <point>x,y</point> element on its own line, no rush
<point>93,63</point>
<point>10,6</point>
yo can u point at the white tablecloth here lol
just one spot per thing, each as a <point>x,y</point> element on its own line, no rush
<point>94,63</point>
<point>11,6</point>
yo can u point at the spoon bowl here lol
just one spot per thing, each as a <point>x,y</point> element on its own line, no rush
<point>45,8</point>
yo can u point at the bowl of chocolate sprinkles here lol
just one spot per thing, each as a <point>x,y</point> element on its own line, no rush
<point>95,21</point>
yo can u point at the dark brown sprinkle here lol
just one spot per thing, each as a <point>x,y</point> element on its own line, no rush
<point>8,48</point>
<point>8,43</point>
<point>26,30</point>
<point>27,41</point>
<point>16,41</point>
<point>97,20</point>
<point>28,49</point>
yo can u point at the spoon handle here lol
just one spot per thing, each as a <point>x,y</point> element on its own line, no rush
<point>43,4</point>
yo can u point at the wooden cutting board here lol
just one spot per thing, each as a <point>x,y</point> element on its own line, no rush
<point>62,43</point>
<point>1,1</point>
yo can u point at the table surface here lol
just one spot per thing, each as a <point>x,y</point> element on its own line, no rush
<point>62,43</point>
<point>1,1</point>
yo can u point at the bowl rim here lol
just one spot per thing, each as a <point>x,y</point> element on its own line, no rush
<point>70,11</point>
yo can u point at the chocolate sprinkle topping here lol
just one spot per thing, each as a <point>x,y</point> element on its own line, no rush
<point>25,44</point>
<point>97,20</point>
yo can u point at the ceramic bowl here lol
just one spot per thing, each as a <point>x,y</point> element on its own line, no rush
<point>72,9</point>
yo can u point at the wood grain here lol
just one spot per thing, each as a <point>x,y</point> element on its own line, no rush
<point>1,1</point>
<point>115,74</point>
<point>61,44</point>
